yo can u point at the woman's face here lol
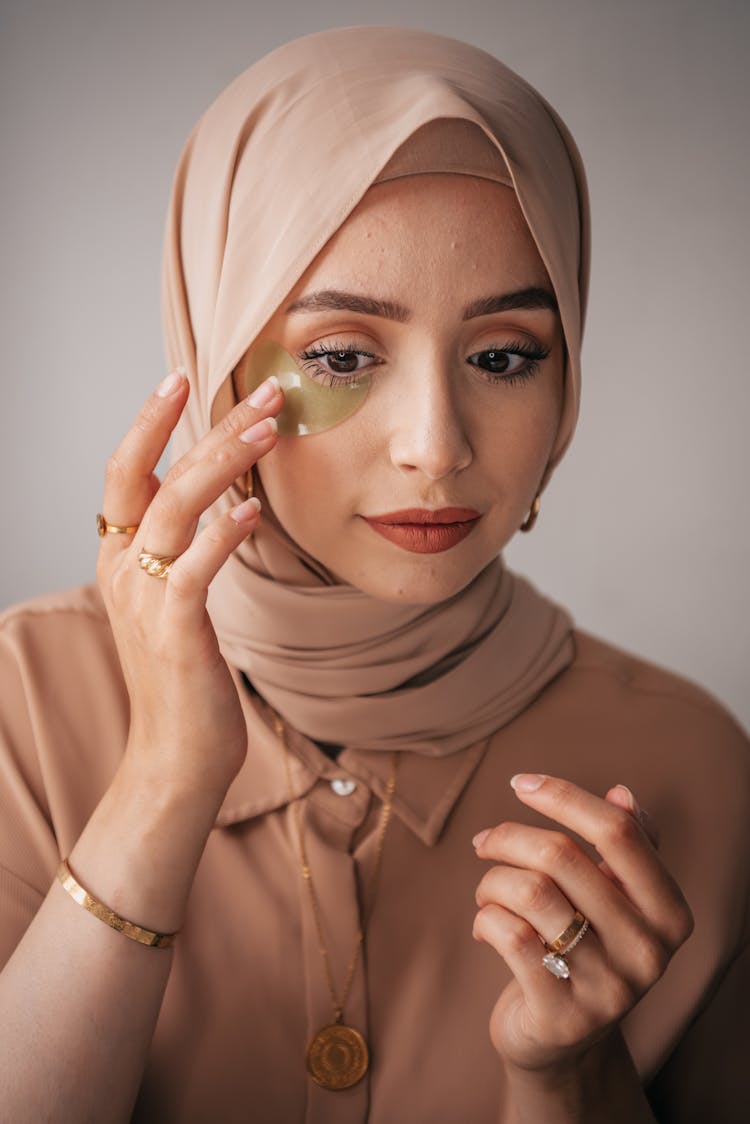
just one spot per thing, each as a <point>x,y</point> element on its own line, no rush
<point>463,407</point>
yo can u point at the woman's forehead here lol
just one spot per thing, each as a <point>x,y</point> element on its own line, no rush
<point>443,221</point>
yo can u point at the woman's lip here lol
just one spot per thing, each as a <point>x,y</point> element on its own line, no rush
<point>424,515</point>
<point>422,537</point>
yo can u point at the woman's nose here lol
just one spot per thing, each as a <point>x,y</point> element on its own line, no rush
<point>428,434</point>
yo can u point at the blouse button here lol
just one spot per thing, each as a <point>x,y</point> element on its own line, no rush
<point>343,787</point>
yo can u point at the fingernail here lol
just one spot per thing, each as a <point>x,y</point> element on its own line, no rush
<point>527,782</point>
<point>635,807</point>
<point>169,385</point>
<point>479,839</point>
<point>260,431</point>
<point>263,394</point>
<point>246,510</point>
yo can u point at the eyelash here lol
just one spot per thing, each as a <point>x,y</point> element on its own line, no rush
<point>534,353</point>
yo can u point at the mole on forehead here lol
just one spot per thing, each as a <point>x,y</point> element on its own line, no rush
<point>334,300</point>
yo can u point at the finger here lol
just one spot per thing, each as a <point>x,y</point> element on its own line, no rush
<point>529,894</point>
<point>515,940</point>
<point>561,1013</point>
<point>557,857</point>
<point>192,573</point>
<point>622,797</point>
<point>130,482</point>
<point>619,839</point>
<point>234,445</point>
<point>265,400</point>
<point>635,946</point>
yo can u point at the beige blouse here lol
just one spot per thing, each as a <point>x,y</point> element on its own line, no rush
<point>247,989</point>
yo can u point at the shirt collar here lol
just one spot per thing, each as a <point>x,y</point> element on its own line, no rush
<point>427,787</point>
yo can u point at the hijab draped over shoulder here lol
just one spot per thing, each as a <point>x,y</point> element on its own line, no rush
<point>268,174</point>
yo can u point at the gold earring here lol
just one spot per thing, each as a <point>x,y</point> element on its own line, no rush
<point>249,482</point>
<point>531,518</point>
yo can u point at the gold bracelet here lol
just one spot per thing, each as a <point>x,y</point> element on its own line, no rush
<point>127,928</point>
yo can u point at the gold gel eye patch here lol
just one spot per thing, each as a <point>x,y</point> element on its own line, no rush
<point>309,406</point>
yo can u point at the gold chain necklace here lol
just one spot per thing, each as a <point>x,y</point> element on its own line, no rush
<point>337,1057</point>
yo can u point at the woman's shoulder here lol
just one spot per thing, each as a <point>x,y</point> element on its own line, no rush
<point>57,648</point>
<point>635,674</point>
<point>641,691</point>
<point>63,700</point>
<point>615,717</point>
<point>58,657</point>
<point>49,635</point>
<point>80,605</point>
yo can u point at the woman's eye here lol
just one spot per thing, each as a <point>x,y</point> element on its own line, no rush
<point>335,366</point>
<point>343,362</point>
<point>507,364</point>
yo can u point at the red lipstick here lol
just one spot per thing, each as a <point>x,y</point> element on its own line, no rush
<point>423,531</point>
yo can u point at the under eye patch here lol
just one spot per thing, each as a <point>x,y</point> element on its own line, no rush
<point>309,406</point>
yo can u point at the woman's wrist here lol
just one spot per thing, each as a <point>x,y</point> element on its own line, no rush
<point>600,1084</point>
<point>141,847</point>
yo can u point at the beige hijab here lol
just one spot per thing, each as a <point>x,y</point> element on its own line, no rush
<point>268,174</point>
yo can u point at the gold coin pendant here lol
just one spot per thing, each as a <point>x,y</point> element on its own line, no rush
<point>337,1057</point>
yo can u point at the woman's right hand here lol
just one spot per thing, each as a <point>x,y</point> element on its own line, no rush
<point>97,995</point>
<point>187,725</point>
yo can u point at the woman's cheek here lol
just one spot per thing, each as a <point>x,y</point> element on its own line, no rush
<point>303,478</point>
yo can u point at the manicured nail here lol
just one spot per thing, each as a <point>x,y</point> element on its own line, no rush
<point>263,394</point>
<point>479,839</point>
<point>260,431</point>
<point>246,510</point>
<point>170,384</point>
<point>635,807</point>
<point>527,782</point>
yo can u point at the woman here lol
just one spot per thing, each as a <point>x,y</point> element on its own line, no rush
<point>278,786</point>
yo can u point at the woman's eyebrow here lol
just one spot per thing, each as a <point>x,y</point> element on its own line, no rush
<point>334,299</point>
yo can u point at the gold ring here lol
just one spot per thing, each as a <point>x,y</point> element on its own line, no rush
<point>105,528</point>
<point>577,938</point>
<point>157,565</point>
<point>562,944</point>
<point>554,960</point>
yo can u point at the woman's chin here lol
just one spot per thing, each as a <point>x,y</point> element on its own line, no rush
<point>416,585</point>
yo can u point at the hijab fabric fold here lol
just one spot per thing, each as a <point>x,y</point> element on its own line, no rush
<point>268,174</point>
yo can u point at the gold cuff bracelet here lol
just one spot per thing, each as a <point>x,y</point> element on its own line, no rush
<point>127,928</point>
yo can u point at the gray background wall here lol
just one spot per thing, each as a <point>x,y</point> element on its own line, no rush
<point>644,530</point>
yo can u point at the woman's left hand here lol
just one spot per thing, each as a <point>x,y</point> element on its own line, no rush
<point>637,913</point>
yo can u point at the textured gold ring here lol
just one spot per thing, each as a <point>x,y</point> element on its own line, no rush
<point>105,528</point>
<point>562,944</point>
<point>577,938</point>
<point>157,565</point>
